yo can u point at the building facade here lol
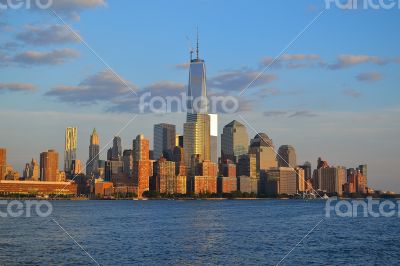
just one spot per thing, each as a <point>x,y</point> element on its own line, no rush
<point>287,156</point>
<point>234,141</point>
<point>49,166</point>
<point>71,143</point>
<point>164,139</point>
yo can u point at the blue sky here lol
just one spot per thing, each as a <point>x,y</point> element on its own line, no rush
<point>333,94</point>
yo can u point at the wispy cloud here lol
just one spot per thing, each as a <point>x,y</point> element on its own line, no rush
<point>289,113</point>
<point>237,80</point>
<point>17,87</point>
<point>55,57</point>
<point>182,66</point>
<point>369,76</point>
<point>102,86</point>
<point>352,93</point>
<point>292,61</point>
<point>46,34</point>
<point>346,61</point>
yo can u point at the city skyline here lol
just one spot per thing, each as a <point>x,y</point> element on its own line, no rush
<point>298,102</point>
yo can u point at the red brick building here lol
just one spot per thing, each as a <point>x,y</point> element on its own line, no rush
<point>38,188</point>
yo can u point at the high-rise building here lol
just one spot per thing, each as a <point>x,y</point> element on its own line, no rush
<point>307,170</point>
<point>281,180</point>
<point>286,156</point>
<point>263,148</point>
<point>179,140</point>
<point>31,171</point>
<point>196,130</point>
<point>127,158</point>
<point>214,138</point>
<point>3,163</point>
<point>92,164</point>
<point>196,139</point>
<point>331,179</point>
<point>300,179</point>
<point>141,164</point>
<point>71,143</point>
<point>247,165</point>
<point>164,139</point>
<point>234,141</point>
<point>49,166</point>
<point>364,171</point>
<point>116,151</point>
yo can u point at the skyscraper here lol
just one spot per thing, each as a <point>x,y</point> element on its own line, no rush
<point>196,139</point>
<point>263,148</point>
<point>196,130</point>
<point>214,138</point>
<point>287,156</point>
<point>3,163</point>
<point>364,171</point>
<point>49,166</point>
<point>164,139</point>
<point>307,170</point>
<point>92,164</point>
<point>141,164</point>
<point>116,151</point>
<point>234,141</point>
<point>31,171</point>
<point>71,139</point>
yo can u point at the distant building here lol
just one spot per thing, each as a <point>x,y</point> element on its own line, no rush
<point>214,138</point>
<point>49,166</point>
<point>281,180</point>
<point>247,165</point>
<point>92,165</point>
<point>204,176</point>
<point>127,158</point>
<point>76,167</point>
<point>38,188</point>
<point>234,141</point>
<point>300,179</point>
<point>179,141</point>
<point>164,139</point>
<point>307,170</point>
<point>116,150</point>
<point>196,140</point>
<point>331,179</point>
<point>31,171</point>
<point>356,183</point>
<point>364,171</point>
<point>71,143</point>
<point>165,179</point>
<point>287,156</point>
<point>3,163</point>
<point>263,148</point>
<point>141,164</point>
<point>246,184</point>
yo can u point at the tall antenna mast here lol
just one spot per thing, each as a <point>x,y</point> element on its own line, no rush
<point>197,46</point>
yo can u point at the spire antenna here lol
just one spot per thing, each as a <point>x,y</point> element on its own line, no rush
<point>197,46</point>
